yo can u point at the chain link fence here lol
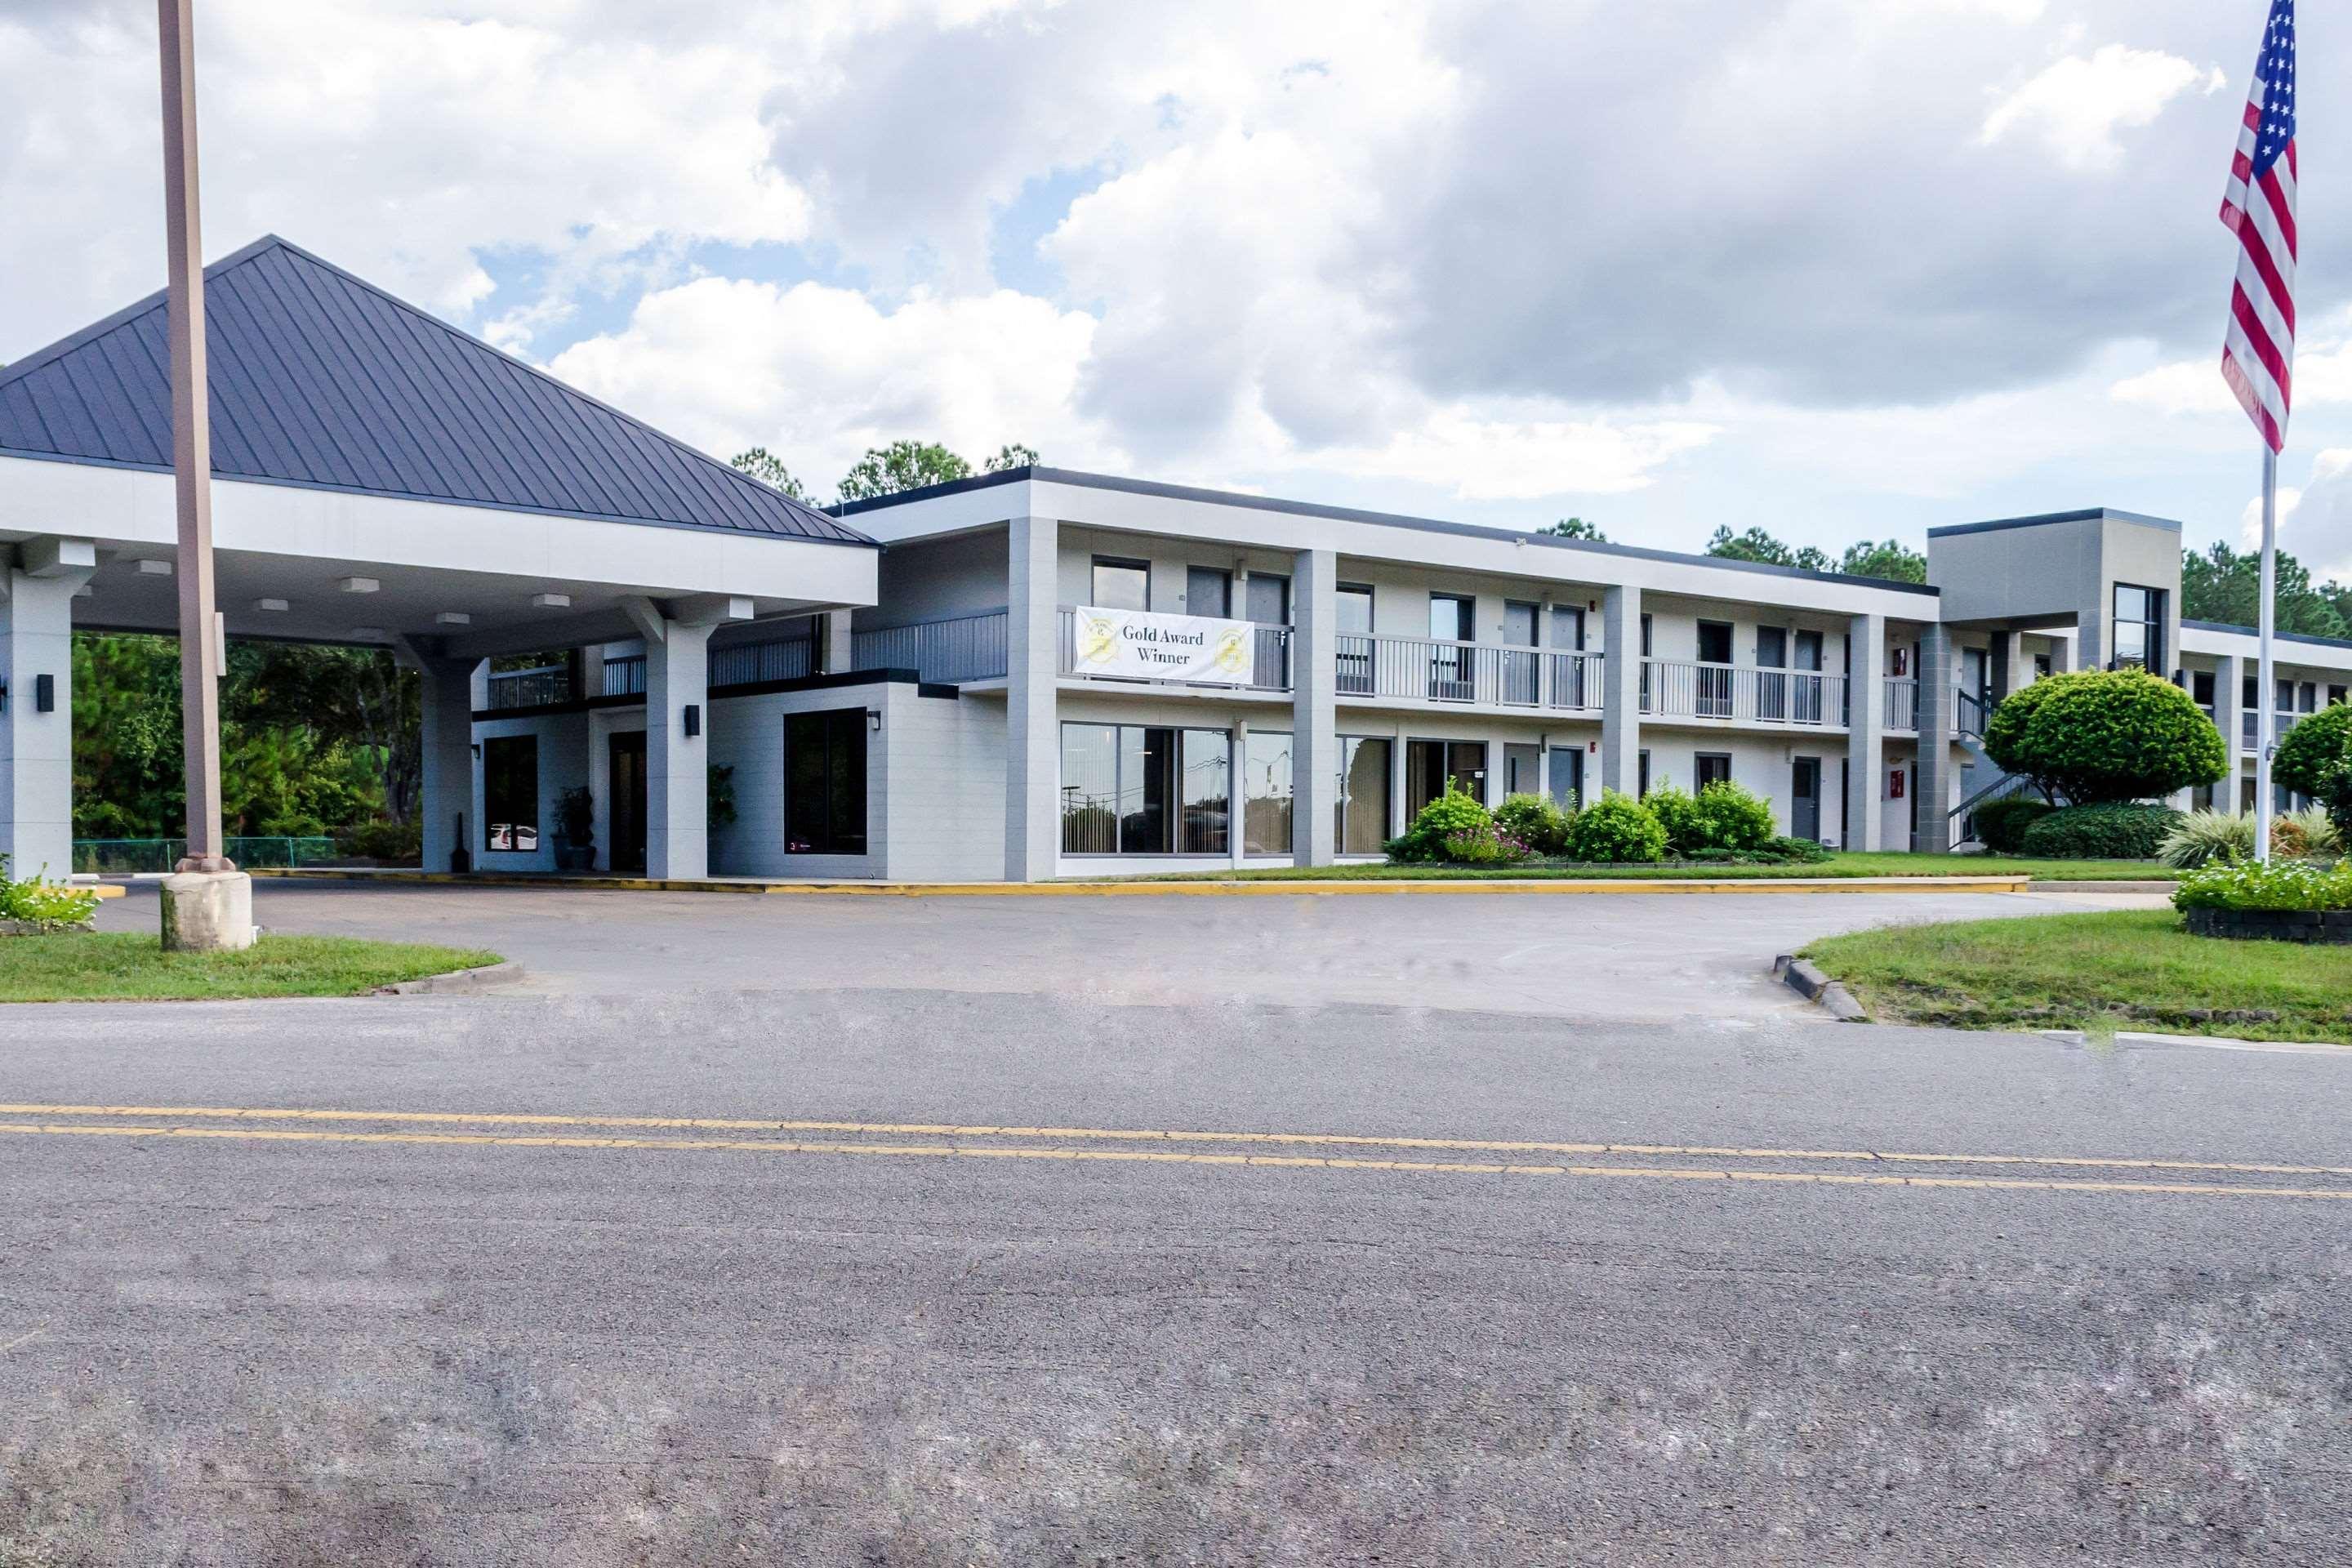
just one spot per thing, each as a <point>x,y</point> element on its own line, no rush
<point>125,857</point>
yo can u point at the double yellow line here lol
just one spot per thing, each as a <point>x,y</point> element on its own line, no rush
<point>1161,1146</point>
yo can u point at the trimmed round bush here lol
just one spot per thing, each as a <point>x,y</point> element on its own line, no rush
<point>1732,817</point>
<point>1456,811</point>
<point>2306,751</point>
<point>1677,812</point>
<point>1533,820</point>
<point>2002,823</point>
<point>1616,828</point>
<point>2105,735</point>
<point>2115,831</point>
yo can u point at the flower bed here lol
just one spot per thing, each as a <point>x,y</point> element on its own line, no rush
<point>2286,900</point>
<point>34,907</point>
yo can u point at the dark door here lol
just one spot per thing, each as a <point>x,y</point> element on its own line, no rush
<point>1715,670</point>
<point>1429,763</point>
<point>1805,799</point>
<point>626,779</point>
<point>1567,777</point>
<point>1519,669</point>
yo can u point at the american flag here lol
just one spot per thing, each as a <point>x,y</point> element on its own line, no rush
<point>2258,351</point>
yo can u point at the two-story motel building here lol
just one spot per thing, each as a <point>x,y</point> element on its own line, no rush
<point>1026,675</point>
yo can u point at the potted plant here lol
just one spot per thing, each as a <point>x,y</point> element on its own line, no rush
<point>577,817</point>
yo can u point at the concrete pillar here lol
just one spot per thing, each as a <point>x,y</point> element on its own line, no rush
<point>2229,717</point>
<point>1314,706</point>
<point>2012,668</point>
<point>445,695</point>
<point>2091,640</point>
<point>1236,840</point>
<point>1621,692</point>
<point>1033,651</point>
<point>678,766</point>
<point>1935,770</point>
<point>1865,739</point>
<point>836,650</point>
<point>36,747</point>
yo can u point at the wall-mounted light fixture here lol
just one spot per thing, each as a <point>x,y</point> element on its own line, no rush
<point>874,720</point>
<point>478,757</point>
<point>693,720</point>
<point>359,585</point>
<point>45,694</point>
<point>271,606</point>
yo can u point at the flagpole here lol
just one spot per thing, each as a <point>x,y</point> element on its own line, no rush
<point>2266,701</point>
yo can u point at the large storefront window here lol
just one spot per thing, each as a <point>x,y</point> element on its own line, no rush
<point>1363,804</point>
<point>511,793</point>
<point>1265,794</point>
<point>825,781</point>
<point>1145,789</point>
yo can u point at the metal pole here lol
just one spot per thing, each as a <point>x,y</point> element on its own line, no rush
<point>192,463</point>
<point>2266,727</point>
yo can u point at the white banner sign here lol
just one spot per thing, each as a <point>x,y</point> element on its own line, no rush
<point>1136,644</point>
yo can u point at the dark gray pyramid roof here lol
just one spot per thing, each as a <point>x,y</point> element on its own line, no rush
<point>319,378</point>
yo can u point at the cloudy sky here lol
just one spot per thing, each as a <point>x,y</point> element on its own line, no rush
<point>1834,267</point>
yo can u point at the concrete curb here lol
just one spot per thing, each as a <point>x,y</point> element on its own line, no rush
<point>2059,885</point>
<point>1800,976</point>
<point>1207,887</point>
<point>457,983</point>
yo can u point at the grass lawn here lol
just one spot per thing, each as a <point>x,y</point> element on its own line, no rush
<point>1888,864</point>
<point>124,967</point>
<point>2133,969</point>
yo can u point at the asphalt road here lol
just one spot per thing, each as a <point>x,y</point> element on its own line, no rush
<point>990,1313</point>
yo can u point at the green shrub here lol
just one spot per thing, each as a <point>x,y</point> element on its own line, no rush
<point>1732,817</point>
<point>2002,823</point>
<point>2304,885</point>
<point>1456,811</point>
<point>384,841</point>
<point>2105,735</point>
<point>1677,813</point>
<point>1616,828</point>
<point>1534,821</point>
<point>2306,751</point>
<point>2115,831</point>
<point>44,905</point>
<point>2306,835</point>
<point>1795,851</point>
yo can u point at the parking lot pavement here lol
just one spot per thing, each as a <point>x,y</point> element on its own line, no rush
<point>1621,956</point>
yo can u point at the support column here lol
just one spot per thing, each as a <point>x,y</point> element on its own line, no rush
<point>37,746</point>
<point>2091,640</point>
<point>836,651</point>
<point>1865,737</point>
<point>1621,691</point>
<point>445,798</point>
<point>1033,665</point>
<point>1237,777</point>
<point>2229,717</point>
<point>677,776</point>
<point>1936,706</point>
<point>1314,706</point>
<point>2012,671</point>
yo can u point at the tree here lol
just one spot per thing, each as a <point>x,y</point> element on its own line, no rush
<point>2312,748</point>
<point>769,469</point>
<point>1890,560</point>
<point>2225,586</point>
<point>2105,735</point>
<point>901,466</point>
<point>1576,528</point>
<point>1759,546</point>
<point>1013,455</point>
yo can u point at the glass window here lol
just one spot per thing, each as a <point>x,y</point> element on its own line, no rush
<point>825,781</point>
<point>511,793</point>
<point>1708,767</point>
<point>2138,626</point>
<point>1122,585</point>
<point>1265,793</point>
<point>1089,789</point>
<point>1208,793</point>
<point>1208,591</point>
<point>1715,642</point>
<point>1642,783</point>
<point>1269,599</point>
<point>1355,609</point>
<point>1450,619</point>
<point>1772,647</point>
<point>1364,821</point>
<point>1147,778</point>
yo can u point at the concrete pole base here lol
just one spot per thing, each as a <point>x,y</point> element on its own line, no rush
<point>207,911</point>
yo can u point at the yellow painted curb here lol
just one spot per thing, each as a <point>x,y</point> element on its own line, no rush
<point>1291,888</point>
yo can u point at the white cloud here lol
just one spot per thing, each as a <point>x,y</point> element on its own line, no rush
<point>2080,102</point>
<point>2314,519</point>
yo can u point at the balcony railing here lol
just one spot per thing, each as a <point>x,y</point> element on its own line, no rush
<point>962,647</point>
<point>1968,710</point>
<point>1474,674</point>
<point>1902,703</point>
<point>2250,722</point>
<point>1271,667</point>
<point>625,677</point>
<point>751,663</point>
<point>1675,690</point>
<point>540,687</point>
